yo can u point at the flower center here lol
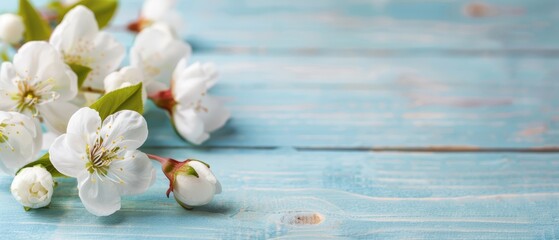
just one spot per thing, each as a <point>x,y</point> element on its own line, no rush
<point>4,137</point>
<point>100,157</point>
<point>29,95</point>
<point>38,191</point>
<point>79,52</point>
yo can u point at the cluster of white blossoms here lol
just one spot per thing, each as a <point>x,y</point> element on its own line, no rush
<point>53,82</point>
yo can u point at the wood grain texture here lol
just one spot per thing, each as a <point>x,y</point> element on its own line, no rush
<point>364,26</point>
<point>291,195</point>
<point>361,102</point>
<point>314,86</point>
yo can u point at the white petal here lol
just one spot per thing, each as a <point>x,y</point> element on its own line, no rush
<point>193,191</point>
<point>8,86</point>
<point>40,62</point>
<point>157,9</point>
<point>85,123</point>
<point>107,54</point>
<point>68,154</point>
<point>125,129</point>
<point>79,23</point>
<point>216,115</point>
<point>203,171</point>
<point>99,196</point>
<point>157,52</point>
<point>21,141</point>
<point>189,125</point>
<point>57,114</point>
<point>135,171</point>
<point>155,87</point>
<point>188,91</point>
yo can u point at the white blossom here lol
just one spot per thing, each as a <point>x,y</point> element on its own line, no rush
<point>156,52</point>
<point>20,141</point>
<point>81,42</point>
<point>196,114</point>
<point>103,156</point>
<point>126,77</point>
<point>39,84</point>
<point>11,28</point>
<point>33,187</point>
<point>191,191</point>
<point>161,11</point>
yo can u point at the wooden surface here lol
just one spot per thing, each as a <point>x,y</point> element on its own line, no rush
<point>361,119</point>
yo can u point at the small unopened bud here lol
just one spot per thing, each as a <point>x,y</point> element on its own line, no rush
<point>11,28</point>
<point>33,187</point>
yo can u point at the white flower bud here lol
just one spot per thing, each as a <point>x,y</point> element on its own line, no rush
<point>33,187</point>
<point>189,190</point>
<point>126,77</point>
<point>11,28</point>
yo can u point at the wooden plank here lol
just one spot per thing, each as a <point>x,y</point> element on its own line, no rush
<point>289,194</point>
<point>354,102</point>
<point>359,27</point>
<point>364,26</point>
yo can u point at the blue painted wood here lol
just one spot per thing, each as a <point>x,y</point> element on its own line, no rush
<point>353,75</point>
<point>358,102</point>
<point>320,195</point>
<point>322,26</point>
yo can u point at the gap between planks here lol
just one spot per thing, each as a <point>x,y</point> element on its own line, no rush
<point>433,149</point>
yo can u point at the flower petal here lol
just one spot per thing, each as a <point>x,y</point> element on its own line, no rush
<point>125,129</point>
<point>68,154</point>
<point>216,115</point>
<point>135,171</point>
<point>157,52</point>
<point>79,23</point>
<point>20,141</point>
<point>57,114</point>
<point>39,62</point>
<point>99,196</point>
<point>85,123</point>
<point>189,125</point>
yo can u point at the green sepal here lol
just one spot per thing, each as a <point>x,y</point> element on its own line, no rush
<point>81,72</point>
<point>36,27</point>
<point>45,162</point>
<point>187,171</point>
<point>183,205</point>
<point>104,10</point>
<point>128,98</point>
<point>26,208</point>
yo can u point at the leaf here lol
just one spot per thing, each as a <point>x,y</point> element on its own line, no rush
<point>36,28</point>
<point>128,98</point>
<point>81,71</point>
<point>104,10</point>
<point>45,162</point>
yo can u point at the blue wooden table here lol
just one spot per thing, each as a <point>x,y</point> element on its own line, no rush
<point>386,119</point>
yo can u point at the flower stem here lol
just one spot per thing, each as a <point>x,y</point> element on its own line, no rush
<point>93,90</point>
<point>161,160</point>
<point>169,167</point>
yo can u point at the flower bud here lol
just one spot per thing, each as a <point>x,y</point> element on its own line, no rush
<point>126,77</point>
<point>191,181</point>
<point>33,187</point>
<point>11,28</point>
<point>195,185</point>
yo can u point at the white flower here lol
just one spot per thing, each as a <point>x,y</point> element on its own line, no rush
<point>33,187</point>
<point>191,191</point>
<point>126,77</point>
<point>161,11</point>
<point>103,156</point>
<point>11,28</point>
<point>195,113</point>
<point>20,141</point>
<point>79,40</point>
<point>157,52</point>
<point>39,84</point>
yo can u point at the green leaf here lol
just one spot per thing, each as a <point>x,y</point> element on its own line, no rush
<point>4,56</point>
<point>128,98</point>
<point>81,71</point>
<point>45,162</point>
<point>104,10</point>
<point>36,28</point>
